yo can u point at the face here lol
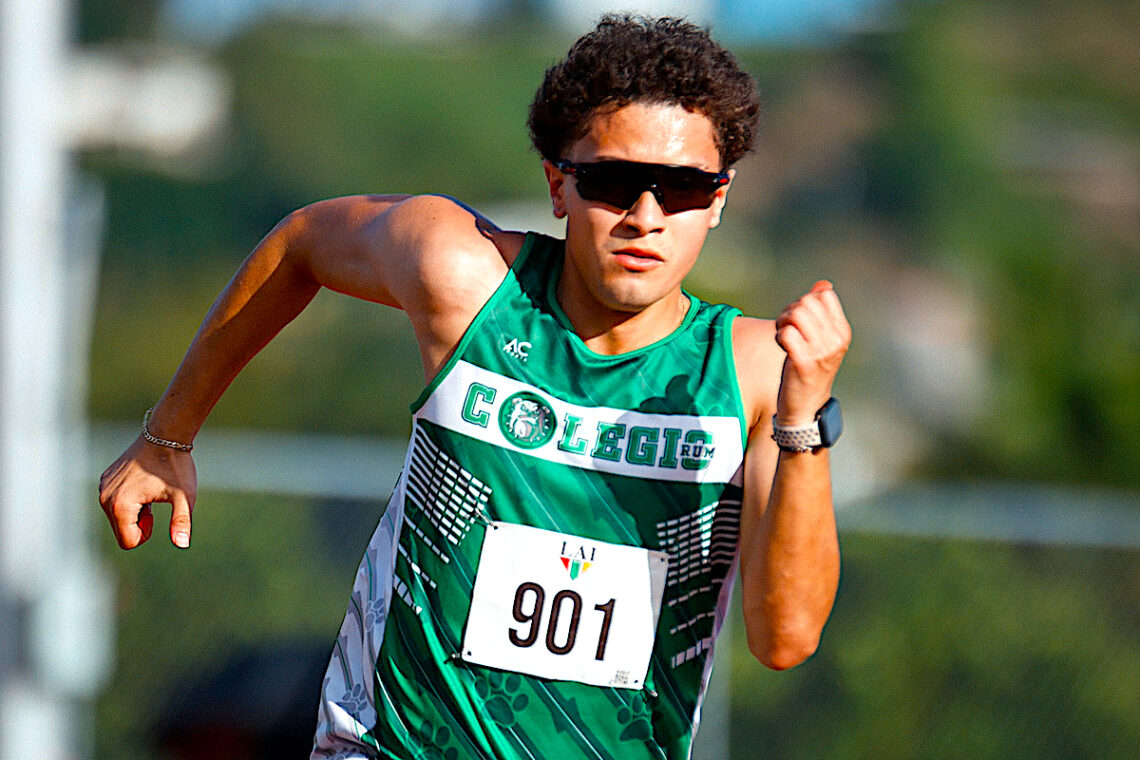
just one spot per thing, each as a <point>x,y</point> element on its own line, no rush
<point>631,260</point>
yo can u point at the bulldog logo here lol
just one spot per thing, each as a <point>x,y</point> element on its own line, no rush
<point>526,420</point>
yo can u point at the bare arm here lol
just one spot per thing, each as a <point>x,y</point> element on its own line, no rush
<point>427,255</point>
<point>789,544</point>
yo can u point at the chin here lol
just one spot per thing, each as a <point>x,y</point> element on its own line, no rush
<point>633,300</point>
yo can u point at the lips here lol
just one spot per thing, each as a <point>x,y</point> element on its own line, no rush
<point>638,259</point>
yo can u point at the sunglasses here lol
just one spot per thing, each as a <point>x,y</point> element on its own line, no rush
<point>621,183</point>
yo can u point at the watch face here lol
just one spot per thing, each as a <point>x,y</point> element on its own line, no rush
<point>830,422</point>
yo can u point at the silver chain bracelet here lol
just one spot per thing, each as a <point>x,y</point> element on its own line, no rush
<point>162,441</point>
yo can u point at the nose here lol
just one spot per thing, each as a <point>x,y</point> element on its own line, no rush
<point>646,214</point>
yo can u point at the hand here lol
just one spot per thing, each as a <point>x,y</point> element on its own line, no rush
<point>145,474</point>
<point>814,333</point>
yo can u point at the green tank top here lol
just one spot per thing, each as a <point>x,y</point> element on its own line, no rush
<point>527,426</point>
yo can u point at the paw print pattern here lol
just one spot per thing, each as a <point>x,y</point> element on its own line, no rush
<point>373,614</point>
<point>355,701</point>
<point>437,741</point>
<point>635,718</point>
<point>500,695</point>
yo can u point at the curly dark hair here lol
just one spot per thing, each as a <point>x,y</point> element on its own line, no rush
<point>627,59</point>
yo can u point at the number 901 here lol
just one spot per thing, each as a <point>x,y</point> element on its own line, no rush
<point>557,605</point>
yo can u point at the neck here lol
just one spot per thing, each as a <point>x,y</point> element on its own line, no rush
<point>611,331</point>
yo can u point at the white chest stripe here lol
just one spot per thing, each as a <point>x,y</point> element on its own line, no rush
<point>505,412</point>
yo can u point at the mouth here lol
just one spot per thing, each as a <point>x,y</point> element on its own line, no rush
<point>638,259</point>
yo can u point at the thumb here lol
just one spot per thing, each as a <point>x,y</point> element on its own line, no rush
<point>180,520</point>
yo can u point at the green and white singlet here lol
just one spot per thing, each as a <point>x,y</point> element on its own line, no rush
<point>554,564</point>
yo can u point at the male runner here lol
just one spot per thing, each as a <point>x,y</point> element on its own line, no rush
<point>594,451</point>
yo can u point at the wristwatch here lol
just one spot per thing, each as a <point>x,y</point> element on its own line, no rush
<point>822,432</point>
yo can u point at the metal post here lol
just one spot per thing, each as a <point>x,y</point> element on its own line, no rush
<point>56,641</point>
<point>35,534</point>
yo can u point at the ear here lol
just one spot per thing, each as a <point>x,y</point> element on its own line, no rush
<point>557,183</point>
<point>721,198</point>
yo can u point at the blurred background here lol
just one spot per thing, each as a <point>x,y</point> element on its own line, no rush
<point>966,172</point>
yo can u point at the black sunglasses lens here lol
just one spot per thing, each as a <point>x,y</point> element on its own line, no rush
<point>690,188</point>
<point>610,183</point>
<point>621,183</point>
<point>686,193</point>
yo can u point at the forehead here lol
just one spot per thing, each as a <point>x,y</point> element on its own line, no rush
<point>657,133</point>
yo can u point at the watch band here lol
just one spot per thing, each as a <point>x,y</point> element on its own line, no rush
<point>822,432</point>
<point>797,438</point>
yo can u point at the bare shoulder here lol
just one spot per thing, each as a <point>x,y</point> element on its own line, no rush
<point>443,262</point>
<point>448,249</point>
<point>403,251</point>
<point>432,256</point>
<point>759,365</point>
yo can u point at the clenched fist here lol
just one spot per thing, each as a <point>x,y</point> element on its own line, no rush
<point>815,334</point>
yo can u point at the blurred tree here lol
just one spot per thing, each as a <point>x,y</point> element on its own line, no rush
<point>106,20</point>
<point>951,649</point>
<point>1001,158</point>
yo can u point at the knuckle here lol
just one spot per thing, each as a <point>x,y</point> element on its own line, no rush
<point>803,364</point>
<point>125,512</point>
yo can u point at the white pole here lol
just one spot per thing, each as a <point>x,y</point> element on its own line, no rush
<point>55,604</point>
<point>33,169</point>
<point>36,536</point>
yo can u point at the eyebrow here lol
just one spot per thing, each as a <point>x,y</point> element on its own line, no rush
<point>604,158</point>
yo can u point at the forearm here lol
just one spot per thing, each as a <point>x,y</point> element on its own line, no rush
<point>342,244</point>
<point>272,287</point>
<point>790,568</point>
<point>330,243</point>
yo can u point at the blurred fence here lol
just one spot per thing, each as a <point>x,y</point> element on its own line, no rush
<point>973,621</point>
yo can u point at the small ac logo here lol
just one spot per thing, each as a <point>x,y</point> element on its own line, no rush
<point>577,560</point>
<point>520,349</point>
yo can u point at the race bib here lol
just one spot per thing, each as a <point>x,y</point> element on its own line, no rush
<point>563,607</point>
